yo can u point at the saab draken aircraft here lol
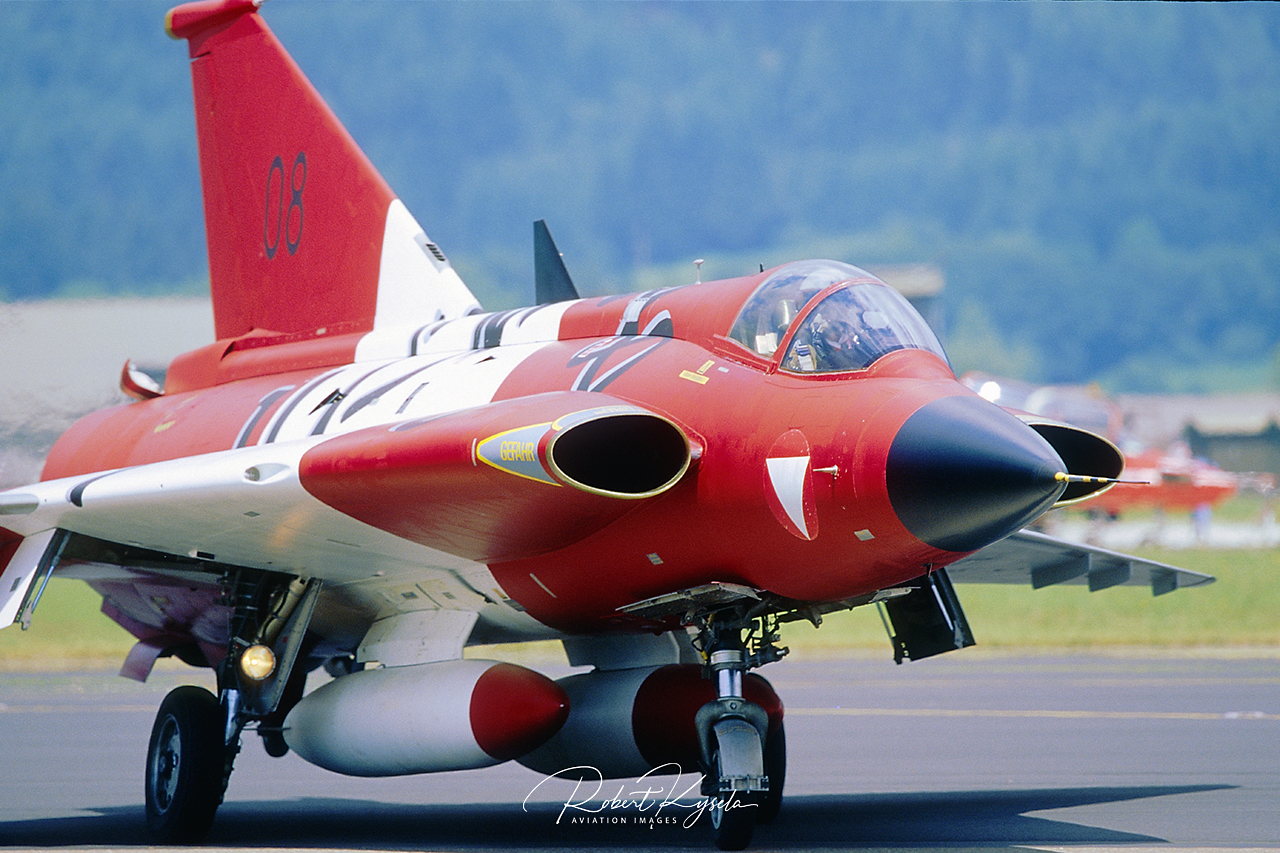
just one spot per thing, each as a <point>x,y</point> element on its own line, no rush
<point>367,473</point>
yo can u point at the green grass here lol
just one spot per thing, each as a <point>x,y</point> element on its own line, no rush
<point>1240,611</point>
<point>68,632</point>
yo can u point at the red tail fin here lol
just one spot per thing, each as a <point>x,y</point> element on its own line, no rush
<point>304,234</point>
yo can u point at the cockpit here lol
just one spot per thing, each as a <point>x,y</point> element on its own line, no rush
<point>831,317</point>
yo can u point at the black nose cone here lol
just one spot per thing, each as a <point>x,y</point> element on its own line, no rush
<point>963,473</point>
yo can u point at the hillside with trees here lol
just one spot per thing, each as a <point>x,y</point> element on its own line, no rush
<point>1099,182</point>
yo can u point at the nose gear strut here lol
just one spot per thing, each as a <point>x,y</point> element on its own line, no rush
<point>733,733</point>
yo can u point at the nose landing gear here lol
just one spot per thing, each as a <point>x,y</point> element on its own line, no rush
<point>744,763</point>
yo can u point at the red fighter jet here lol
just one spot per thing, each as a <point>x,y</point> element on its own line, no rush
<point>1170,479</point>
<point>1179,482</point>
<point>366,468</point>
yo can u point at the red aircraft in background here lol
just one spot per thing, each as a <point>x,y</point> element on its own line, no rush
<point>367,473</point>
<point>1176,482</point>
<point>1168,479</point>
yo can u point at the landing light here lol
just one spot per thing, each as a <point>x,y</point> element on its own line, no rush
<point>990,391</point>
<point>257,662</point>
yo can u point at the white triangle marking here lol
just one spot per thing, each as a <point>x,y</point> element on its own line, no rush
<point>786,475</point>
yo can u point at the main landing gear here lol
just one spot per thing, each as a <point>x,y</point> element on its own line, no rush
<point>744,759</point>
<point>188,765</point>
<point>196,735</point>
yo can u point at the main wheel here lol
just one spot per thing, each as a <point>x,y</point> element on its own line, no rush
<point>186,766</point>
<point>775,767</point>
<point>734,825</point>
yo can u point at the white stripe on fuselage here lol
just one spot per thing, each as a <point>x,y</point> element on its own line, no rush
<point>416,371</point>
<point>539,324</point>
<point>369,394</point>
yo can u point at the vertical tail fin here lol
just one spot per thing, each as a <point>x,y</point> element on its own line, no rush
<point>551,281</point>
<point>304,235</point>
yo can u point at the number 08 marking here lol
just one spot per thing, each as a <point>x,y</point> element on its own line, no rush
<point>280,218</point>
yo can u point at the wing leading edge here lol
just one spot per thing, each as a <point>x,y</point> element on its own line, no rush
<point>1042,560</point>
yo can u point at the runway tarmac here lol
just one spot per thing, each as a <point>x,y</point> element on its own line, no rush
<point>967,750</point>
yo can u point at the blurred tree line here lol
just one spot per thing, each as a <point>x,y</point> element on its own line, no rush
<point>1099,182</point>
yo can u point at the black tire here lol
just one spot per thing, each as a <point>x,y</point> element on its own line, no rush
<point>186,766</point>
<point>733,827</point>
<point>775,767</point>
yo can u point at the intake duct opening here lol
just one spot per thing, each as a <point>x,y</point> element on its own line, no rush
<point>1082,452</point>
<point>628,455</point>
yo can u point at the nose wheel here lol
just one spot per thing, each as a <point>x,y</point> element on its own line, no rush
<point>732,732</point>
<point>187,766</point>
<point>744,764</point>
<point>733,819</point>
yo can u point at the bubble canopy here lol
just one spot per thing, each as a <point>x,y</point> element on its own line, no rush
<point>838,317</point>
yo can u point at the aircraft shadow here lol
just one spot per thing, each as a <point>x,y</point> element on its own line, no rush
<point>987,819</point>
